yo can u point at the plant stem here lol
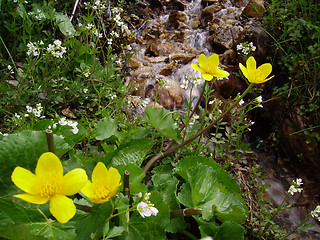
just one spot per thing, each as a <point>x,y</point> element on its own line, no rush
<point>185,212</point>
<point>50,141</point>
<point>162,154</point>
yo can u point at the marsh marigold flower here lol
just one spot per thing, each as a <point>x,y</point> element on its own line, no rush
<point>49,184</point>
<point>105,184</point>
<point>209,67</point>
<point>254,74</point>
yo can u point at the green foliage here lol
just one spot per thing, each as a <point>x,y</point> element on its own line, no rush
<point>92,223</point>
<point>161,119</point>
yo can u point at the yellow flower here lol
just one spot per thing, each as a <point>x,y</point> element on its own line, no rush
<point>254,74</point>
<point>105,184</point>
<point>49,184</point>
<point>209,67</point>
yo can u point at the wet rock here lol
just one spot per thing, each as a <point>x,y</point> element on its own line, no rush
<point>195,23</point>
<point>178,5</point>
<point>163,48</point>
<point>142,72</point>
<point>155,4</point>
<point>230,57</point>
<point>134,63</point>
<point>183,58</point>
<point>169,69</point>
<point>224,37</point>
<point>208,13</point>
<point>171,96</point>
<point>230,86</point>
<point>177,19</point>
<point>239,3</point>
<point>255,8</point>
<point>206,3</point>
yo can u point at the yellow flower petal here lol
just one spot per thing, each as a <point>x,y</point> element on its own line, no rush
<point>251,64</point>
<point>221,73</point>
<point>88,191</point>
<point>202,60</point>
<point>196,67</point>
<point>99,174</point>
<point>73,181</point>
<point>213,61</point>
<point>113,178</point>
<point>207,76</point>
<point>244,70</point>
<point>37,199</point>
<point>62,208</point>
<point>265,70</point>
<point>49,165</point>
<point>25,180</point>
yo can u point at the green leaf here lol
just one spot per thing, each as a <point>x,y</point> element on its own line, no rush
<point>106,128</point>
<point>93,222</point>
<point>161,119</point>
<point>115,232</point>
<point>230,231</point>
<point>165,183</point>
<point>30,223</point>
<point>65,24</point>
<point>14,213</point>
<point>24,149</point>
<point>223,176</point>
<point>203,191</point>
<point>134,151</point>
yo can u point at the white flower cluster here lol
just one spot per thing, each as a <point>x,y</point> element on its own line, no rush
<point>33,48</point>
<point>117,18</point>
<point>145,208</point>
<point>193,81</point>
<point>295,187</point>
<point>184,84</point>
<point>97,5</point>
<point>259,101</point>
<point>35,111</point>
<point>56,49</point>
<point>91,28</point>
<point>246,48</point>
<point>316,212</point>
<point>4,134</point>
<point>64,122</point>
<point>38,14</point>
<point>17,115</point>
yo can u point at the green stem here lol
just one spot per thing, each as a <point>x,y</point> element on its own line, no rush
<point>162,154</point>
<point>50,141</point>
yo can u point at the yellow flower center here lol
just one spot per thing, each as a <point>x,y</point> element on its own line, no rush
<point>102,191</point>
<point>49,187</point>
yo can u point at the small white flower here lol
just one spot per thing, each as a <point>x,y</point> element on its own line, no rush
<point>75,130</point>
<point>85,90</point>
<point>241,102</point>
<point>211,102</point>
<point>146,210</point>
<point>315,213</point>
<point>139,195</point>
<point>17,116</point>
